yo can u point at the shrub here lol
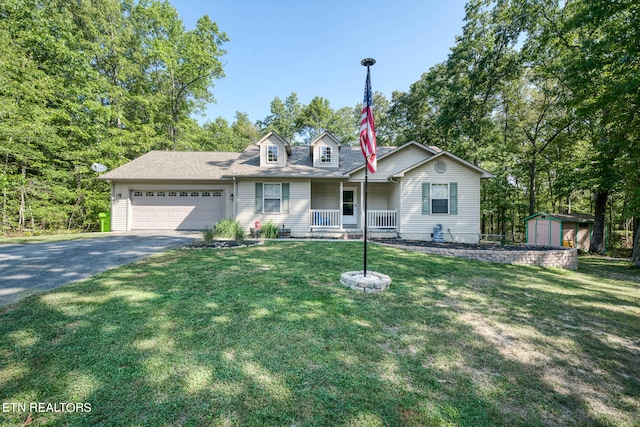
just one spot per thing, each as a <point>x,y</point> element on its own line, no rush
<point>208,235</point>
<point>229,229</point>
<point>269,230</point>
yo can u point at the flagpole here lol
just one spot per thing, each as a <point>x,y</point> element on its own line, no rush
<point>366,185</point>
<point>367,62</point>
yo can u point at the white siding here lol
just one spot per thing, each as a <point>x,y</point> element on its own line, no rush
<point>465,226</point>
<point>378,196</point>
<point>325,195</point>
<point>335,153</point>
<point>298,217</point>
<point>282,152</point>
<point>394,196</point>
<point>120,208</point>
<point>394,163</point>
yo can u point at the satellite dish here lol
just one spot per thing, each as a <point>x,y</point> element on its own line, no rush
<point>99,167</point>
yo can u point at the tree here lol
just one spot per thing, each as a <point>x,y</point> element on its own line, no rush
<point>593,49</point>
<point>283,117</point>
<point>314,118</point>
<point>220,136</point>
<point>86,81</point>
<point>180,65</point>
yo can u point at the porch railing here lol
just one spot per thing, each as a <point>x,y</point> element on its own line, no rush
<point>381,219</point>
<point>327,218</point>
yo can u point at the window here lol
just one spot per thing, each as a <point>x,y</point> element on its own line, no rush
<point>272,154</point>
<point>137,193</point>
<point>272,197</point>
<point>184,194</point>
<point>217,194</point>
<point>325,154</point>
<point>195,194</point>
<point>160,194</point>
<point>149,193</point>
<point>440,198</point>
<point>172,194</point>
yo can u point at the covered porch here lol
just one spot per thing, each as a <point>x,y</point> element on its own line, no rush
<point>340,206</point>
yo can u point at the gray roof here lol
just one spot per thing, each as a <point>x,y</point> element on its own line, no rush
<point>582,218</point>
<point>220,165</point>
<point>175,165</point>
<point>299,164</point>
<point>216,165</point>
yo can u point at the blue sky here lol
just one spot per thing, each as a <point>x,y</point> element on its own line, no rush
<point>314,48</point>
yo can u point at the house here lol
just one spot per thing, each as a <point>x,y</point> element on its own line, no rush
<point>315,190</point>
<point>569,230</point>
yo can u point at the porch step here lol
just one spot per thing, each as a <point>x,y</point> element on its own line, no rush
<point>355,234</point>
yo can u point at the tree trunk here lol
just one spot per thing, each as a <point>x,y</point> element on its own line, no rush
<point>635,255</point>
<point>532,186</point>
<point>597,239</point>
<point>23,189</point>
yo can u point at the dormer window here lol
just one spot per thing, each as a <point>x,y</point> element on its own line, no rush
<point>272,154</point>
<point>325,154</point>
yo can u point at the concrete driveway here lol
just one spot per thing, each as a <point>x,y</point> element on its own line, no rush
<point>37,267</point>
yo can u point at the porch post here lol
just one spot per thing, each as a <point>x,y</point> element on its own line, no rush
<point>341,206</point>
<point>362,214</point>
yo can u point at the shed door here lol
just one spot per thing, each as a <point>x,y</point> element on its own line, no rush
<point>543,232</point>
<point>176,210</point>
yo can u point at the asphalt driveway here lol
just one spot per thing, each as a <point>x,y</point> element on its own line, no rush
<point>37,267</point>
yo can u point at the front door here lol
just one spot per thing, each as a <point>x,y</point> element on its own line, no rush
<point>349,208</point>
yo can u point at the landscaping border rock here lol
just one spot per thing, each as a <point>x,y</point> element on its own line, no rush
<point>542,256</point>
<point>371,283</point>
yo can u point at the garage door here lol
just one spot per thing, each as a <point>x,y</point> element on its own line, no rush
<point>176,210</point>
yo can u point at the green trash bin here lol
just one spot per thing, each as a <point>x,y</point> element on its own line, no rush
<point>105,221</point>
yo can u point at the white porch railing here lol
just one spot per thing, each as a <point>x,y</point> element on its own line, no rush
<point>381,219</point>
<point>326,218</point>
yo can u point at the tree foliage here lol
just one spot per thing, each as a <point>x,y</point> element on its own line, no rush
<point>544,93</point>
<point>92,81</point>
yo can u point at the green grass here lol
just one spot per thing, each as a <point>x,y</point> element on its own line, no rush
<point>44,238</point>
<point>265,335</point>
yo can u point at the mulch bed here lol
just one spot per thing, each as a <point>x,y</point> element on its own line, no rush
<point>220,244</point>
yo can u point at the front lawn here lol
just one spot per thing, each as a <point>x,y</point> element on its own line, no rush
<point>265,335</point>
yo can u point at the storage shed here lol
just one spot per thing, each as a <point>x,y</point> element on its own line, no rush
<point>570,230</point>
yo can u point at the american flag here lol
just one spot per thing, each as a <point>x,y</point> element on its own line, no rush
<point>368,128</point>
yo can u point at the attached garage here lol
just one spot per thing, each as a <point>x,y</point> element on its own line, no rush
<point>176,209</point>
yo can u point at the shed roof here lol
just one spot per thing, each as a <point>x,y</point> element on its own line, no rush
<point>584,218</point>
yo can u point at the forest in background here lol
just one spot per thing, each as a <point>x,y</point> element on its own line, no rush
<point>543,93</point>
